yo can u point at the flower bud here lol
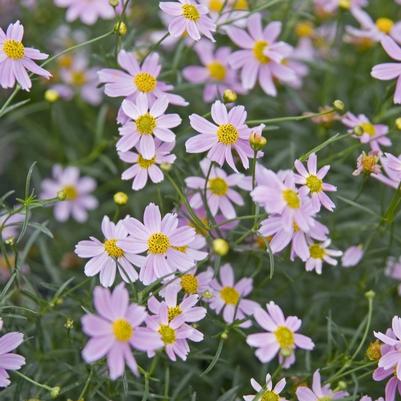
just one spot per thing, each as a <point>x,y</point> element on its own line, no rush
<point>55,392</point>
<point>229,96</point>
<point>224,335</point>
<point>304,29</point>
<point>398,123</point>
<point>69,324</point>
<point>120,198</point>
<point>257,141</point>
<point>114,3</point>
<point>10,241</point>
<point>344,4</point>
<point>207,294</point>
<point>120,28</point>
<point>373,352</point>
<point>220,246</point>
<point>370,294</point>
<point>339,105</point>
<point>61,195</point>
<point>358,130</point>
<point>166,166</point>
<point>51,95</point>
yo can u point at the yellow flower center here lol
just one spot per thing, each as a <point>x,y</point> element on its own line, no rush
<point>291,198</point>
<point>304,29</point>
<point>384,25</point>
<point>285,338</point>
<point>65,61</point>
<point>314,183</point>
<point>173,312</point>
<point>158,243</point>
<point>146,163</point>
<point>258,49</point>
<point>122,330</point>
<point>241,5</point>
<point>167,334</point>
<point>217,71</point>
<point>112,249</point>
<point>295,227</point>
<point>369,163</point>
<point>145,82</point>
<point>227,134</point>
<point>216,5</point>
<point>316,251</point>
<point>70,192</point>
<point>229,295</point>
<point>78,78</point>
<point>190,12</point>
<point>14,49</point>
<point>374,351</point>
<point>145,124</point>
<point>269,396</point>
<point>218,186</point>
<point>189,283</point>
<point>368,128</point>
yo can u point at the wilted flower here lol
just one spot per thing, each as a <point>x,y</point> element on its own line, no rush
<point>367,163</point>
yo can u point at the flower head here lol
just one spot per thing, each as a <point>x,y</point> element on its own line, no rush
<point>367,163</point>
<point>319,253</point>
<point>267,392</point>
<point>9,360</point>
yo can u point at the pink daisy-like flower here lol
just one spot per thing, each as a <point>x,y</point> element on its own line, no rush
<point>228,296</point>
<point>174,333</point>
<point>137,79</point>
<point>189,17</point>
<point>106,257</point>
<point>165,243</point>
<point>16,59</point>
<point>372,134</point>
<point>267,392</point>
<point>142,169</point>
<point>388,71</point>
<point>216,73</point>
<point>262,56</point>
<point>281,336</point>
<point>148,122</point>
<point>318,392</point>
<point>9,360</point>
<point>352,256</point>
<point>312,183</point>
<point>77,191</point>
<point>368,163</point>
<point>230,133</point>
<point>88,11</point>
<point>393,270</point>
<point>114,329</point>
<point>220,194</point>
<point>319,253</point>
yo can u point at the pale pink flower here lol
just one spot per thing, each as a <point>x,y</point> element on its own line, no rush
<point>189,17</point>
<point>77,191</point>
<point>352,256</point>
<point>267,391</point>
<point>392,168</point>
<point>16,59</point>
<point>115,329</point>
<point>262,56</point>
<point>229,296</point>
<point>393,270</point>
<point>230,133</point>
<point>8,359</point>
<point>280,337</point>
<point>106,257</point>
<point>319,253</point>
<point>327,7</point>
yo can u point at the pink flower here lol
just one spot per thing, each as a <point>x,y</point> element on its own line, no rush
<point>16,59</point>
<point>115,329</point>
<point>318,392</point>
<point>262,57</point>
<point>373,134</point>
<point>319,253</point>
<point>9,360</point>
<point>281,336</point>
<point>267,392</point>
<point>106,257</point>
<point>189,17</point>
<point>368,164</point>
<point>331,6</point>
<point>137,79</point>
<point>388,71</point>
<point>216,73</point>
<point>312,183</point>
<point>220,194</point>
<point>230,133</point>
<point>352,256</point>
<point>392,167</point>
<point>393,270</point>
<point>77,191</point>
<point>143,169</point>
<point>88,11</point>
<point>228,296</point>
<point>167,246</point>
<point>148,122</point>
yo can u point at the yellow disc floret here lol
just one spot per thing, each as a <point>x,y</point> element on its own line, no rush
<point>291,198</point>
<point>112,249</point>
<point>189,11</point>
<point>229,295</point>
<point>316,251</point>
<point>70,192</point>
<point>258,51</point>
<point>217,71</point>
<point>146,163</point>
<point>368,128</point>
<point>158,243</point>
<point>145,82</point>
<point>189,283</point>
<point>269,396</point>
<point>145,124</point>
<point>218,186</point>
<point>227,134</point>
<point>167,334</point>
<point>173,312</point>
<point>122,330</point>
<point>285,337</point>
<point>14,49</point>
<point>314,183</point>
<point>384,25</point>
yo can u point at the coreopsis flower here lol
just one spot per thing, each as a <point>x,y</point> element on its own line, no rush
<point>9,224</point>
<point>107,257</point>
<point>216,73</point>
<point>87,11</point>
<point>189,17</point>
<point>312,183</point>
<point>318,392</point>
<point>267,392</point>
<point>16,59</point>
<point>228,296</point>
<point>393,270</point>
<point>174,333</point>
<point>148,122</point>
<point>280,337</point>
<point>115,329</point>
<point>367,163</point>
<point>352,256</point>
<point>137,79</point>
<point>166,246</point>
<point>388,71</point>
<point>142,168</point>
<point>319,253</point>
<point>392,167</point>
<point>9,360</point>
<point>373,134</point>
<point>75,190</point>
<point>262,56</point>
<point>220,192</point>
<point>229,133</point>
